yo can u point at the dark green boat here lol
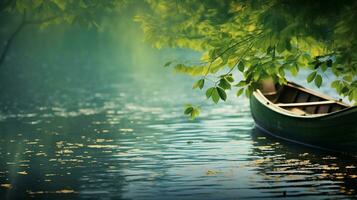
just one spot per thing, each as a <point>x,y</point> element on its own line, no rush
<point>296,114</point>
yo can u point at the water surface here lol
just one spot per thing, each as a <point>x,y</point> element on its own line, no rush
<point>130,140</point>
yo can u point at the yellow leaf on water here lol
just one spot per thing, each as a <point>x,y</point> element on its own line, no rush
<point>126,130</point>
<point>211,172</point>
<point>65,191</point>
<point>22,173</point>
<point>6,185</point>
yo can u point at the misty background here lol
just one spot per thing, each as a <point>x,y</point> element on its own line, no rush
<point>55,60</point>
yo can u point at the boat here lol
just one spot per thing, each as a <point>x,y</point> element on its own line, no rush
<point>296,114</point>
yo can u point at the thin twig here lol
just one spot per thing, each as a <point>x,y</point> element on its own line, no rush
<point>229,48</point>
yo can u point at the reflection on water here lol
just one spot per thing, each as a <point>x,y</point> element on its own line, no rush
<point>130,141</point>
<point>298,171</point>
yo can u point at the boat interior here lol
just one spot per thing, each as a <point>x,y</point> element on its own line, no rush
<point>299,100</point>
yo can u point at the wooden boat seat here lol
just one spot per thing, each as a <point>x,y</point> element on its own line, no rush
<point>297,111</point>
<point>298,100</point>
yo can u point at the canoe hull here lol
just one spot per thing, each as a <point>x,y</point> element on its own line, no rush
<point>336,131</point>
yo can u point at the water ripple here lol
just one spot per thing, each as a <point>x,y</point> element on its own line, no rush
<point>120,144</point>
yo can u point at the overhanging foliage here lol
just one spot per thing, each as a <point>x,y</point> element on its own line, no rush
<point>259,38</point>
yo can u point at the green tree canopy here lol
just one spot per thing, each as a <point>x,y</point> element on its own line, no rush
<point>46,12</point>
<point>259,38</point>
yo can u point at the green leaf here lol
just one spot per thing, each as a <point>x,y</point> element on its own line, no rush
<point>329,63</point>
<point>311,76</point>
<point>240,92</point>
<point>280,47</point>
<point>287,44</point>
<point>195,112</point>
<point>199,84</point>
<point>230,78</point>
<point>348,78</point>
<point>256,76</point>
<point>294,69</point>
<point>188,110</point>
<point>192,111</point>
<point>248,91</point>
<point>344,90</point>
<point>240,84</point>
<point>281,72</point>
<point>60,4</point>
<point>222,94</point>
<point>167,64</point>
<point>335,84</point>
<point>354,84</point>
<point>354,94</point>
<point>318,80</point>
<point>215,95</point>
<point>241,66</point>
<point>323,66</point>
<point>209,92</point>
<point>223,83</point>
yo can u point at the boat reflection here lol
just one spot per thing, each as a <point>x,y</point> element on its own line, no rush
<point>292,170</point>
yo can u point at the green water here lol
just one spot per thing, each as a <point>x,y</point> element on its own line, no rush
<point>130,140</point>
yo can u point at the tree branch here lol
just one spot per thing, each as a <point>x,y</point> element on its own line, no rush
<point>6,3</point>
<point>24,22</point>
<point>12,37</point>
<point>39,21</point>
<point>229,48</point>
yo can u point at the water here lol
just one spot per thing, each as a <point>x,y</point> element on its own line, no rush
<point>130,140</point>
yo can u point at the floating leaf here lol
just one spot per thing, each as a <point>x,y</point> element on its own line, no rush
<point>211,172</point>
<point>6,185</point>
